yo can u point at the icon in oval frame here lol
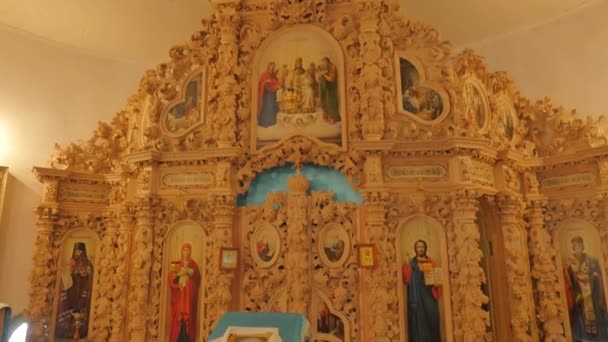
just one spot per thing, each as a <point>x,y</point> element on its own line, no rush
<point>265,245</point>
<point>334,245</point>
<point>477,103</point>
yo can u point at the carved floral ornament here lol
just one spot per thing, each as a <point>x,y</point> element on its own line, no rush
<point>417,130</point>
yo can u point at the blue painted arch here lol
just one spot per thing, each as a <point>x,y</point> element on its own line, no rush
<point>320,177</point>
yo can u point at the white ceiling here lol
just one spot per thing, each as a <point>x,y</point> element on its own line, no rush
<point>141,31</point>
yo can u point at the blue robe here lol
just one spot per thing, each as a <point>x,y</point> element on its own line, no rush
<point>422,308</point>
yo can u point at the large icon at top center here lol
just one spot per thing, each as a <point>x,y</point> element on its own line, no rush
<point>298,87</point>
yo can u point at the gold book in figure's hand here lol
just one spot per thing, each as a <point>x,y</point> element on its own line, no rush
<point>427,270</point>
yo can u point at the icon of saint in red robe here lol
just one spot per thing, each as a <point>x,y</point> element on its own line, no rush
<point>184,284</point>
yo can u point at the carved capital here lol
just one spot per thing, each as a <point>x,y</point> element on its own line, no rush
<point>511,208</point>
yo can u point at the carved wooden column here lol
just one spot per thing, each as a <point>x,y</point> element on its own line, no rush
<point>140,270</point>
<point>299,285</point>
<point>119,280</point>
<point>379,282</point>
<point>470,320</point>
<point>369,80</point>
<point>102,310</point>
<point>225,87</point>
<point>219,282</point>
<point>521,297</point>
<point>42,278</point>
<point>544,273</point>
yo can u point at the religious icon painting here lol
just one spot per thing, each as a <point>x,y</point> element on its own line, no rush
<point>265,245</point>
<point>477,103</point>
<point>183,276</point>
<point>229,258</point>
<point>423,272</point>
<point>419,98</point>
<point>329,325</point>
<point>584,279</point>
<point>298,87</point>
<point>507,119</point>
<point>334,245</point>
<point>187,111</point>
<point>76,279</point>
<point>367,255</point>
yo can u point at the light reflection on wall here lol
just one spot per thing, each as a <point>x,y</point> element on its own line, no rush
<point>5,147</point>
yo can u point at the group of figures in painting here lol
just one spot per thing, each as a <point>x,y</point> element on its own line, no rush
<point>305,91</point>
<point>422,101</point>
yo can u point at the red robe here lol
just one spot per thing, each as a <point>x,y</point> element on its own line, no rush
<point>268,82</point>
<point>184,302</point>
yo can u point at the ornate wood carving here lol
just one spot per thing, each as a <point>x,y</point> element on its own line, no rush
<point>219,282</point>
<point>141,264</point>
<point>518,271</point>
<point>549,311</point>
<point>298,272</point>
<point>469,318</point>
<point>113,182</point>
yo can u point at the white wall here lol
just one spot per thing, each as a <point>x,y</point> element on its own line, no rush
<point>48,93</point>
<point>566,59</point>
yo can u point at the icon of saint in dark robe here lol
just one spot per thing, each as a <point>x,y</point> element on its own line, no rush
<point>585,295</point>
<point>75,295</point>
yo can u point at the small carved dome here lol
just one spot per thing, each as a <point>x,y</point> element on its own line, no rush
<point>298,183</point>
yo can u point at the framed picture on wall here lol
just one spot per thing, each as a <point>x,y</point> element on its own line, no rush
<point>367,255</point>
<point>229,258</point>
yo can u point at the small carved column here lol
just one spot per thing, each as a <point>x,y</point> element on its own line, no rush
<point>119,281</point>
<point>42,278</point>
<point>470,320</point>
<point>224,88</point>
<point>299,285</point>
<point>379,283</point>
<point>544,273</point>
<point>219,282</point>
<point>518,268</point>
<point>140,270</point>
<point>370,77</point>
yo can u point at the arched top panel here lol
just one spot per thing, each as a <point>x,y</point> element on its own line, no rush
<point>321,179</point>
<point>299,87</point>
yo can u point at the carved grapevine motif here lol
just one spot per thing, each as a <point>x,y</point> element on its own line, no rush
<point>518,272</point>
<point>469,318</point>
<point>260,283</point>
<point>340,284</point>
<point>544,274</point>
